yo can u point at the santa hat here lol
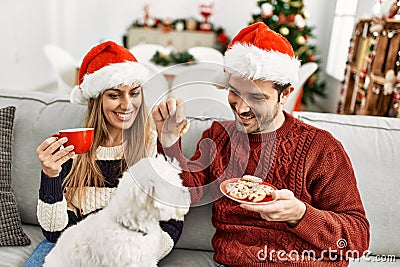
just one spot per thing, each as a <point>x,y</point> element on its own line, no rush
<point>106,66</point>
<point>259,53</point>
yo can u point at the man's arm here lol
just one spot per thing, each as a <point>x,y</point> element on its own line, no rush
<point>335,219</point>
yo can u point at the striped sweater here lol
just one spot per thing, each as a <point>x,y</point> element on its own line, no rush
<point>54,215</point>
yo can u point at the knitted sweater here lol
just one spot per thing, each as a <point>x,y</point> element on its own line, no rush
<point>54,216</point>
<point>308,161</point>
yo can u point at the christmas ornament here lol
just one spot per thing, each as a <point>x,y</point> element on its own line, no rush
<point>394,110</point>
<point>267,10</point>
<point>311,58</point>
<point>312,79</point>
<point>398,63</point>
<point>394,9</point>
<point>282,18</point>
<point>376,29</point>
<point>290,18</point>
<point>179,26</point>
<point>297,4</point>
<point>299,21</point>
<point>146,16</point>
<point>257,11</point>
<point>300,40</point>
<point>191,24</point>
<point>206,10</point>
<point>166,24</point>
<point>390,81</point>
<point>284,31</point>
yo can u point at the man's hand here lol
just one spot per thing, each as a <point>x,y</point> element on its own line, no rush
<point>285,208</point>
<point>170,119</point>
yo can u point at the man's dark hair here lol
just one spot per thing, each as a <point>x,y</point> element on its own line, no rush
<point>280,87</point>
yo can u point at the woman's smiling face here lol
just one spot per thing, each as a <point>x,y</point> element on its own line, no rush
<point>120,106</point>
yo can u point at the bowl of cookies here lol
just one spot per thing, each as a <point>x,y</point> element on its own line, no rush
<point>248,189</point>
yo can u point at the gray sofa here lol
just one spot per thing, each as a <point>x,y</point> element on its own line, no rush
<point>372,144</point>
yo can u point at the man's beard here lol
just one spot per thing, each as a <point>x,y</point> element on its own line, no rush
<point>263,122</point>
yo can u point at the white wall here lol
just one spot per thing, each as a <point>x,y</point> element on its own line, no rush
<point>25,26</point>
<point>75,25</point>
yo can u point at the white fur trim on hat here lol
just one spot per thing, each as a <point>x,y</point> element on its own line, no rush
<point>110,76</point>
<point>76,96</point>
<point>251,62</point>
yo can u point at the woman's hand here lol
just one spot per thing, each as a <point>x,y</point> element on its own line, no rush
<point>170,119</point>
<point>285,208</point>
<point>51,156</point>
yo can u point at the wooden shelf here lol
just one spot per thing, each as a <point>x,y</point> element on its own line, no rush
<point>371,100</point>
<point>377,79</point>
<point>180,40</point>
<point>356,70</point>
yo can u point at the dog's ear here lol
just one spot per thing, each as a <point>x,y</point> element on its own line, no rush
<point>160,180</point>
<point>171,200</point>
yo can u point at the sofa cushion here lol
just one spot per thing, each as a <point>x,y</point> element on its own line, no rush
<point>17,256</point>
<point>374,261</point>
<point>187,257</point>
<point>37,116</point>
<point>11,232</point>
<point>193,135</point>
<point>197,229</point>
<point>372,144</point>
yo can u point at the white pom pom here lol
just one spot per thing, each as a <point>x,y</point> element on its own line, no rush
<point>76,96</point>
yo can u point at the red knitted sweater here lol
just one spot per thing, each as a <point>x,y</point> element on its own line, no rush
<point>306,160</point>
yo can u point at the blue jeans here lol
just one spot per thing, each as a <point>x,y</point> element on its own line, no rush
<point>36,259</point>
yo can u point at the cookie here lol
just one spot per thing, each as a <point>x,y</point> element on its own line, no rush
<point>238,190</point>
<point>251,178</point>
<point>257,194</point>
<point>182,128</point>
<point>268,189</point>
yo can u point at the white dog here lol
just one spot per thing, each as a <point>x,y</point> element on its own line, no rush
<point>127,231</point>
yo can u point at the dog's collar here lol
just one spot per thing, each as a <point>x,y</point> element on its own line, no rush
<point>131,228</point>
<point>135,230</point>
<point>138,230</point>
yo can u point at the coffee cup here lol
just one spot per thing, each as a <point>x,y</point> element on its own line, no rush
<point>80,138</point>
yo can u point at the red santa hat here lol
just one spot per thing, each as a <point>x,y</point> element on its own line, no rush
<point>106,66</point>
<point>259,53</point>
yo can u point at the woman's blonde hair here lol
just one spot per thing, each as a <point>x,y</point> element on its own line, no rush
<point>85,172</point>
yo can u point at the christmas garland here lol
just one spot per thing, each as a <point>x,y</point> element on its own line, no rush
<point>172,58</point>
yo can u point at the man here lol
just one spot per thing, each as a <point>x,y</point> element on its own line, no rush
<point>316,216</point>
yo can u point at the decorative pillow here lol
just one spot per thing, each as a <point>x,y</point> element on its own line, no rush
<point>11,232</point>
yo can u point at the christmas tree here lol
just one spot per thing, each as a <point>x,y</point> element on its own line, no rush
<point>288,18</point>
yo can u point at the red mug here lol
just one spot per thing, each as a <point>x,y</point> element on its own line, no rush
<point>80,138</point>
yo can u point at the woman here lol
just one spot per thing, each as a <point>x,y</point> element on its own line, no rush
<point>74,186</point>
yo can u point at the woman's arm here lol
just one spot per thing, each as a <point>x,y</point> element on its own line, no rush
<point>171,232</point>
<point>52,211</point>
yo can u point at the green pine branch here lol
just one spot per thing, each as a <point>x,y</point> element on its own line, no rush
<point>282,21</point>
